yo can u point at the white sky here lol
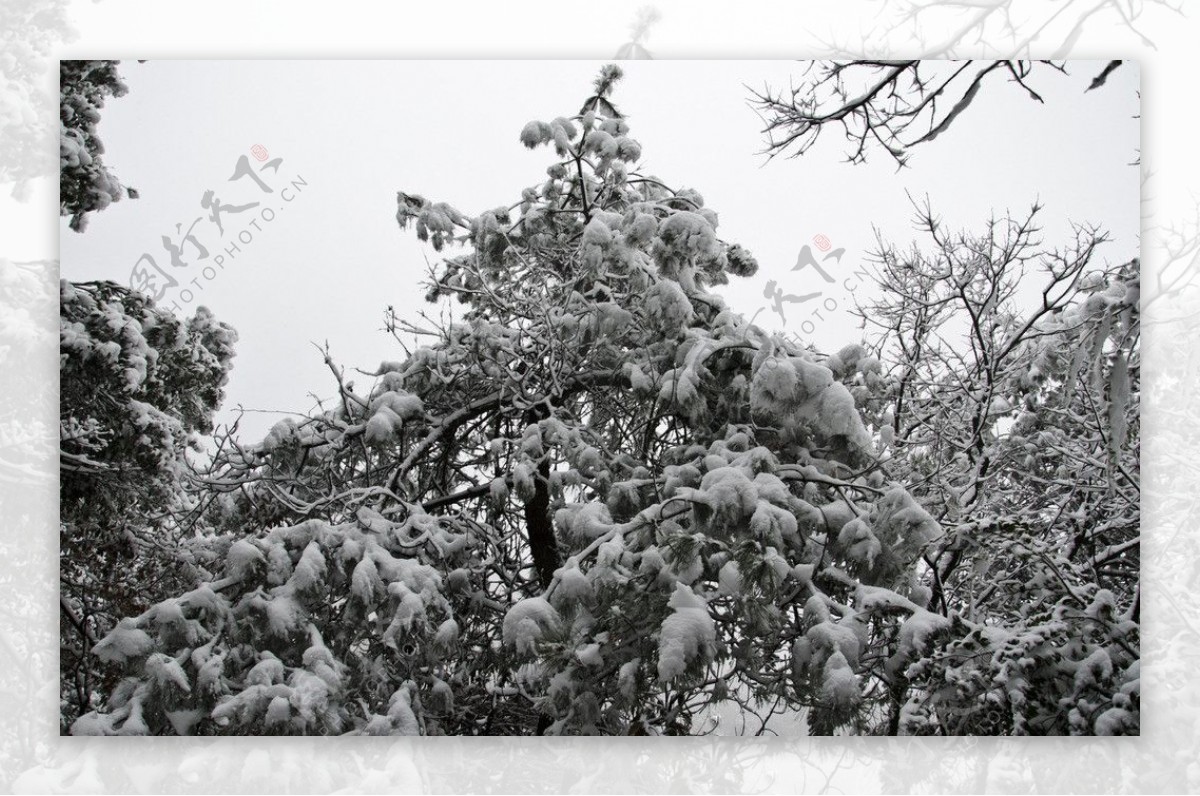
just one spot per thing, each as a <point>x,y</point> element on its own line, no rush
<point>357,131</point>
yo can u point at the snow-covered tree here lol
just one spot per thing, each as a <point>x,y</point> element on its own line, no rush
<point>599,501</point>
<point>85,183</point>
<point>137,384</point>
<point>1011,409</point>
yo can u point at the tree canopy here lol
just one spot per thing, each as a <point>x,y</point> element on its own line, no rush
<point>599,501</point>
<point>137,387</point>
<point>86,185</point>
<point>1013,410</point>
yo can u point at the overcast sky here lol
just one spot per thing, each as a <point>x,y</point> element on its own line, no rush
<point>351,133</point>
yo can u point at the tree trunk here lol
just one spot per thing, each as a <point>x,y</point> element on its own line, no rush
<point>540,528</point>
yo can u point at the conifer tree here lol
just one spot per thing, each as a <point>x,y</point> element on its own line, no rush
<point>137,387</point>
